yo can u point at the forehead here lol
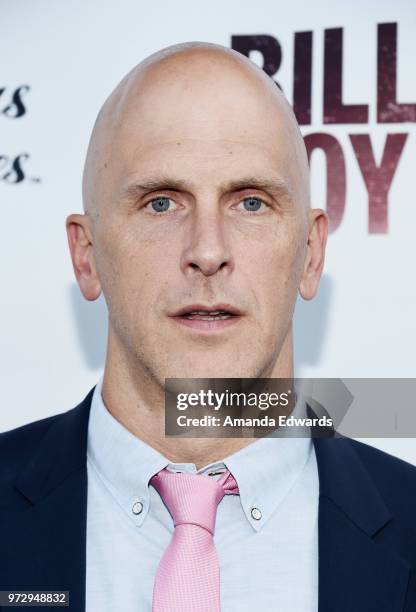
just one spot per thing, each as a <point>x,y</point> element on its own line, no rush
<point>216,124</point>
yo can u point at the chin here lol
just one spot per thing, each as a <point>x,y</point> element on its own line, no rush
<point>229,368</point>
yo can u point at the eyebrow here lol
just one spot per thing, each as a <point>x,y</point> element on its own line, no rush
<point>275,186</point>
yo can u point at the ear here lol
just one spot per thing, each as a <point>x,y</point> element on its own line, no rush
<point>315,255</point>
<point>81,247</point>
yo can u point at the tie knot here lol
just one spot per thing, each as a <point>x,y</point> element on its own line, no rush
<point>193,498</point>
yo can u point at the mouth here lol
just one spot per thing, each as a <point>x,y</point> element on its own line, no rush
<point>207,318</point>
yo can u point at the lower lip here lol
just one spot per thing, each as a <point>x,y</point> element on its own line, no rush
<point>208,326</point>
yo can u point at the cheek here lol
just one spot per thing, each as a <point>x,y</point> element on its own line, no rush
<point>137,274</point>
<point>275,258</point>
<point>273,270</point>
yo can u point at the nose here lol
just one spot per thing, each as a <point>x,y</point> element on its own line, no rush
<point>206,251</point>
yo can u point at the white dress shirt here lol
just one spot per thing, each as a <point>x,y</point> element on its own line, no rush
<point>266,537</point>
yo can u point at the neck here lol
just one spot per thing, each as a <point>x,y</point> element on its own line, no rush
<point>136,400</point>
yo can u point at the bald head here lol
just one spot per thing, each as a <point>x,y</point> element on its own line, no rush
<point>196,184</point>
<point>190,92</point>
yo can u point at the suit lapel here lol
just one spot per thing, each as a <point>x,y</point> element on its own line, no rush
<point>355,572</point>
<point>45,538</point>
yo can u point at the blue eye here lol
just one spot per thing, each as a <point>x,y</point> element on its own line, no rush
<point>160,204</point>
<point>252,204</point>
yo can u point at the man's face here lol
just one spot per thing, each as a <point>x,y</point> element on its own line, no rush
<point>201,237</point>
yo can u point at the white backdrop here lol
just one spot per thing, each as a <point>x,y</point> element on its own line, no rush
<point>60,60</point>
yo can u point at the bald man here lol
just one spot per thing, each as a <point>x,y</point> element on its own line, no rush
<point>198,229</point>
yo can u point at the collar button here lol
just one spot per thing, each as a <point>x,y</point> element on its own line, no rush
<point>137,507</point>
<point>256,514</point>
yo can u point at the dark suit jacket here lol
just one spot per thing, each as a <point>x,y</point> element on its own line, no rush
<point>367,517</point>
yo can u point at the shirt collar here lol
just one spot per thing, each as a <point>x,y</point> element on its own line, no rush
<point>123,462</point>
<point>265,470</point>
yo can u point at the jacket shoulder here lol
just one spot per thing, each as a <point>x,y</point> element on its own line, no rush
<point>376,458</point>
<point>18,445</point>
<point>394,478</point>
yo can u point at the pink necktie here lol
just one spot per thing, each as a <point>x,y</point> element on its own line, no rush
<point>188,576</point>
